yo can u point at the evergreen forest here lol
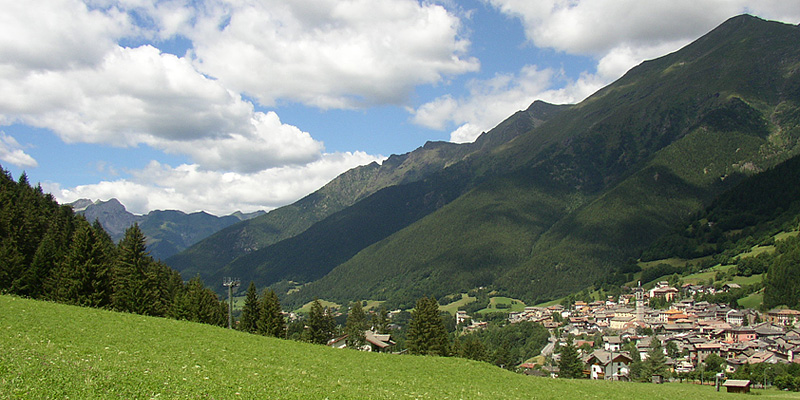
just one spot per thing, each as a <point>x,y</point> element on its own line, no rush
<point>48,252</point>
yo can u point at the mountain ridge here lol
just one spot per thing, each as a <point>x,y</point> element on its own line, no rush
<point>645,140</point>
<point>222,248</point>
<point>555,198</point>
<point>168,231</point>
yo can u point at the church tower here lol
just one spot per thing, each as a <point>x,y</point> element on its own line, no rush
<point>639,294</point>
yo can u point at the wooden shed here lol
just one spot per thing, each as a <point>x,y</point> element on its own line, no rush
<point>737,386</point>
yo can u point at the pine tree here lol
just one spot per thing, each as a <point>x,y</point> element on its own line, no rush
<point>502,356</point>
<point>252,311</point>
<point>380,322</point>
<point>319,325</point>
<point>197,303</point>
<point>426,332</point>
<point>472,347</point>
<point>570,365</point>
<point>49,254</point>
<point>355,326</point>
<point>781,282</point>
<point>272,322</point>
<point>135,278</point>
<point>85,273</point>
<point>655,362</point>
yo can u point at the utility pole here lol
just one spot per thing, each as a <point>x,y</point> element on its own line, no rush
<point>230,283</point>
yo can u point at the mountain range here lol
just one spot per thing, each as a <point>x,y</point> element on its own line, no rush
<point>168,232</point>
<point>554,199</point>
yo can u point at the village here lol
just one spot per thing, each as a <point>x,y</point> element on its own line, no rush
<point>697,330</point>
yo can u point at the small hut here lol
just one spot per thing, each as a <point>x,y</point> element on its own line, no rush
<point>737,386</point>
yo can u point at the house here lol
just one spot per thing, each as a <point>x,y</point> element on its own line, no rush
<point>375,342</point>
<point>737,386</point>
<point>738,335</point>
<point>785,317</point>
<point>730,286</point>
<point>378,342</point>
<point>461,316</point>
<point>664,291</point>
<point>706,349</point>
<point>620,322</point>
<point>768,331</point>
<point>608,365</point>
<point>612,343</point>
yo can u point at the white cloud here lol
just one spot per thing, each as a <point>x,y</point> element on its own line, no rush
<point>619,34</point>
<point>142,96</point>
<point>491,101</point>
<point>325,53</point>
<point>627,32</point>
<point>57,34</point>
<point>191,188</point>
<point>330,53</point>
<point>12,153</point>
<point>595,27</point>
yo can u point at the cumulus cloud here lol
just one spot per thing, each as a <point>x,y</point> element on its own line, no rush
<point>490,101</point>
<point>58,34</point>
<point>618,34</point>
<point>191,188</point>
<point>624,33</point>
<point>11,152</point>
<point>330,53</point>
<point>142,96</point>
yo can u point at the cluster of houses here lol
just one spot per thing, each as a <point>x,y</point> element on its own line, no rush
<point>698,330</point>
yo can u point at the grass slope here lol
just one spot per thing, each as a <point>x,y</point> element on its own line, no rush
<point>57,351</point>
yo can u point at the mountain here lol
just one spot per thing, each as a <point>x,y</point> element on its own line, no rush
<point>554,199</point>
<point>209,256</point>
<point>168,232</point>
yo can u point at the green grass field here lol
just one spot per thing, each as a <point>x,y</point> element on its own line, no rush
<point>515,305</point>
<point>754,300</point>
<point>57,351</point>
<point>452,308</point>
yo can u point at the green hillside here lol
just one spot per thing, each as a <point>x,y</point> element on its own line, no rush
<point>208,257</point>
<point>58,351</point>
<point>569,203</point>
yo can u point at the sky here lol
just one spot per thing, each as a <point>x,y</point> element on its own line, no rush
<point>244,105</point>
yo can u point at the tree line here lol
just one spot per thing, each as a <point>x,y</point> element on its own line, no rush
<point>48,252</point>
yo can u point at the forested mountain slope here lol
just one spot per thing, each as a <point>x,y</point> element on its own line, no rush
<point>168,232</point>
<point>208,257</point>
<point>554,199</point>
<point>568,203</point>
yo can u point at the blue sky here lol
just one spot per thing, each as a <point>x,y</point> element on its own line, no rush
<point>225,105</point>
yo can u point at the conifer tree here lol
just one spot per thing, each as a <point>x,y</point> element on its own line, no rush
<point>503,357</point>
<point>49,254</point>
<point>272,322</point>
<point>380,322</point>
<point>355,326</point>
<point>655,362</point>
<point>781,282</point>
<point>134,276</point>
<point>85,274</point>
<point>319,325</point>
<point>252,311</point>
<point>426,332</point>
<point>197,303</point>
<point>473,349</point>
<point>570,365</point>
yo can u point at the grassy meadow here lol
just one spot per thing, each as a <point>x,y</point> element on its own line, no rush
<point>58,351</point>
